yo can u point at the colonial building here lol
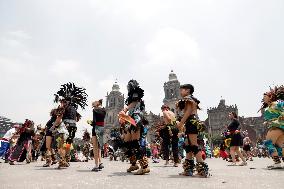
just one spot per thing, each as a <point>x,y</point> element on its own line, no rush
<point>114,104</point>
<point>171,89</point>
<point>218,120</point>
<point>154,121</point>
<point>255,127</point>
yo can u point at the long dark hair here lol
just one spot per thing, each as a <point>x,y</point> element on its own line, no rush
<point>234,115</point>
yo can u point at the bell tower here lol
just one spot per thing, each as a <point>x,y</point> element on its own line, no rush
<point>114,104</point>
<point>171,89</point>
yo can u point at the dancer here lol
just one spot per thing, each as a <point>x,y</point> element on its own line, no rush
<point>99,114</point>
<point>36,143</point>
<point>189,105</point>
<point>236,139</point>
<point>70,98</point>
<point>22,150</point>
<point>223,151</point>
<point>169,134</point>
<point>6,142</point>
<point>155,153</point>
<point>87,146</point>
<point>208,150</point>
<point>247,146</point>
<point>49,139</point>
<point>132,125</point>
<point>273,104</point>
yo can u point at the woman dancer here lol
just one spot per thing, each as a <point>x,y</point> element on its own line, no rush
<point>236,139</point>
<point>273,104</point>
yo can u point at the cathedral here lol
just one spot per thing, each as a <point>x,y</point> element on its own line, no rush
<point>114,104</point>
<point>171,89</point>
<point>218,119</point>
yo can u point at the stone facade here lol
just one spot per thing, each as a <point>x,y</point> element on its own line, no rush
<point>254,126</point>
<point>171,89</point>
<point>218,119</point>
<point>154,121</point>
<point>114,104</point>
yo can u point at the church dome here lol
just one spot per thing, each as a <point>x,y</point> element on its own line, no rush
<point>172,76</point>
<point>115,87</point>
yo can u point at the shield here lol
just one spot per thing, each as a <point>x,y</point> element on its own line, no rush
<point>128,119</point>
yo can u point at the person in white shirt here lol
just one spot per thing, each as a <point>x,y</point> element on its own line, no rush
<point>5,142</point>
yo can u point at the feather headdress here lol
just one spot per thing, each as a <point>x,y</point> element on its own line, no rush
<point>135,93</point>
<point>276,93</point>
<point>76,96</point>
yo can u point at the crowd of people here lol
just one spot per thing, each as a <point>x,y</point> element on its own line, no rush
<point>180,138</point>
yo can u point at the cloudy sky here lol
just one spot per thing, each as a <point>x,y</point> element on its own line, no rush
<point>228,48</point>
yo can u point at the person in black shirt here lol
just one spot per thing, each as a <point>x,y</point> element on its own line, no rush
<point>50,153</point>
<point>70,98</point>
<point>70,118</point>
<point>236,141</point>
<point>99,114</point>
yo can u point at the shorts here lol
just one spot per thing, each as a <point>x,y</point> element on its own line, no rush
<point>190,128</point>
<point>99,133</point>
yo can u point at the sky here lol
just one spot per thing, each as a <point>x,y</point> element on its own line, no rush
<point>230,49</point>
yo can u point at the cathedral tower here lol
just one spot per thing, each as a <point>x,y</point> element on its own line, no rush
<point>171,89</point>
<point>114,104</point>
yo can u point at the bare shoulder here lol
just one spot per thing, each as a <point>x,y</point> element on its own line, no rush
<point>190,102</point>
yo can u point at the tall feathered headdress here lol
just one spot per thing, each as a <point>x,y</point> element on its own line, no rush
<point>276,93</point>
<point>135,93</point>
<point>76,96</point>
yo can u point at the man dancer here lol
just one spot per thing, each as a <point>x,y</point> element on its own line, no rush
<point>5,142</point>
<point>169,134</point>
<point>70,98</point>
<point>189,106</point>
<point>132,125</point>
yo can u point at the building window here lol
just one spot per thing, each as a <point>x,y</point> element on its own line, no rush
<point>172,93</point>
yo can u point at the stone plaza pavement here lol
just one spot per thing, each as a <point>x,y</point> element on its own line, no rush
<point>78,175</point>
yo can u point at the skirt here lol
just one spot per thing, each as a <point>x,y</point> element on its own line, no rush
<point>236,139</point>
